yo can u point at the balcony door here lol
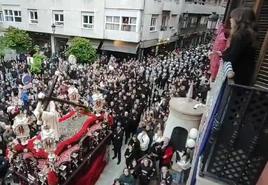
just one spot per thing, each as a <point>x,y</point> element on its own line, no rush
<point>165,19</point>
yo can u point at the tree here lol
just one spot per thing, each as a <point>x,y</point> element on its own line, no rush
<point>82,49</point>
<point>2,47</point>
<point>36,66</point>
<point>18,40</point>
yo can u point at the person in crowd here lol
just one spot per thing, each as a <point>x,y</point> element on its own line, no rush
<point>181,165</point>
<point>165,176</point>
<point>146,171</point>
<point>144,141</point>
<point>167,156</point>
<point>136,95</point>
<point>134,168</point>
<point>117,182</point>
<point>135,143</point>
<point>129,155</point>
<point>126,178</point>
<point>117,142</point>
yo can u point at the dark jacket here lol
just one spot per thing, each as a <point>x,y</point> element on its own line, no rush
<point>241,54</point>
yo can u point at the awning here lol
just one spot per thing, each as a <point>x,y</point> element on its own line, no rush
<point>95,43</point>
<point>120,46</point>
<point>148,43</point>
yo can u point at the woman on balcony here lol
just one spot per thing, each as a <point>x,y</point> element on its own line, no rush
<point>241,52</point>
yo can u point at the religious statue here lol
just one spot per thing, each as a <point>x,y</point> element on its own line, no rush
<point>21,128</point>
<point>50,119</point>
<point>98,102</point>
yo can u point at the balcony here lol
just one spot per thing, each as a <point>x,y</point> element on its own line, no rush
<point>233,137</point>
<point>196,8</point>
<point>190,30</point>
<point>164,34</point>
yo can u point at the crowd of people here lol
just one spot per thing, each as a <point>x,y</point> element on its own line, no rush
<point>136,94</point>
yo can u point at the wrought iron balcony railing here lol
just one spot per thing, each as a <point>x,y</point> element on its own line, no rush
<point>233,141</point>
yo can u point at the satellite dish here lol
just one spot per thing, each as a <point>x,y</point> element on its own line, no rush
<point>72,59</point>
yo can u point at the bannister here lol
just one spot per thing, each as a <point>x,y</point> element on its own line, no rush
<point>236,150</point>
<point>233,134</point>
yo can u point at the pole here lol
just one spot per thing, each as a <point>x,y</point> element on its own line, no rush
<point>52,43</point>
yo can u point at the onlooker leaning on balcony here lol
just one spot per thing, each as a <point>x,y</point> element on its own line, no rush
<point>241,52</point>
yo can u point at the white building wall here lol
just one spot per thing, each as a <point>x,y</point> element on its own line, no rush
<point>157,7</point>
<point>72,16</point>
<point>125,4</point>
<point>142,9</point>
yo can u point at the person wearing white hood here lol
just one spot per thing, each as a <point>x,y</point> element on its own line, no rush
<point>144,141</point>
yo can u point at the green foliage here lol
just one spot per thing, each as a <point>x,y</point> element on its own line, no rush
<point>36,66</point>
<point>36,48</point>
<point>18,40</point>
<point>82,49</point>
<point>2,47</point>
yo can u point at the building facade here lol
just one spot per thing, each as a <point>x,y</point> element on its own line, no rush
<point>128,26</point>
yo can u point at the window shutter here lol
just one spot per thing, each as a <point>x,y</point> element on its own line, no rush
<point>262,70</point>
<point>262,50</point>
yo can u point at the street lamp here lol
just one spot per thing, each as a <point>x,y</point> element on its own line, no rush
<point>53,27</point>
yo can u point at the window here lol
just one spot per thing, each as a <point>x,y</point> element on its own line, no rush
<point>58,18</point>
<point>1,16</point>
<point>203,20</point>
<point>165,18</point>
<point>129,24</point>
<point>33,17</point>
<point>153,22</point>
<point>112,22</point>
<point>87,20</point>
<point>173,21</point>
<point>17,16</point>
<point>193,21</point>
<point>12,15</point>
<point>9,15</point>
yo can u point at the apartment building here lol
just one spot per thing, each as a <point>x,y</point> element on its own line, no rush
<point>128,26</point>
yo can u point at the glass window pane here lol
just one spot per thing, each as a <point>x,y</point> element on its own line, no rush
<point>109,19</point>
<point>116,26</point>
<point>36,16</point>
<point>116,19</point>
<point>133,28</point>
<point>17,19</point>
<point>10,12</point>
<point>85,20</point>
<point>125,20</point>
<point>133,20</point>
<point>91,19</point>
<point>108,26</point>
<point>61,17</point>
<point>16,13</point>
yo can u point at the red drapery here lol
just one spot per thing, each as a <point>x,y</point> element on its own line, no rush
<point>92,175</point>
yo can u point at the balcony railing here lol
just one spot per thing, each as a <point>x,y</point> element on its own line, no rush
<point>193,29</point>
<point>165,34</point>
<point>233,140</point>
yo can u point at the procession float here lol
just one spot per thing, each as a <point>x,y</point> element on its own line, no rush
<point>68,149</point>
